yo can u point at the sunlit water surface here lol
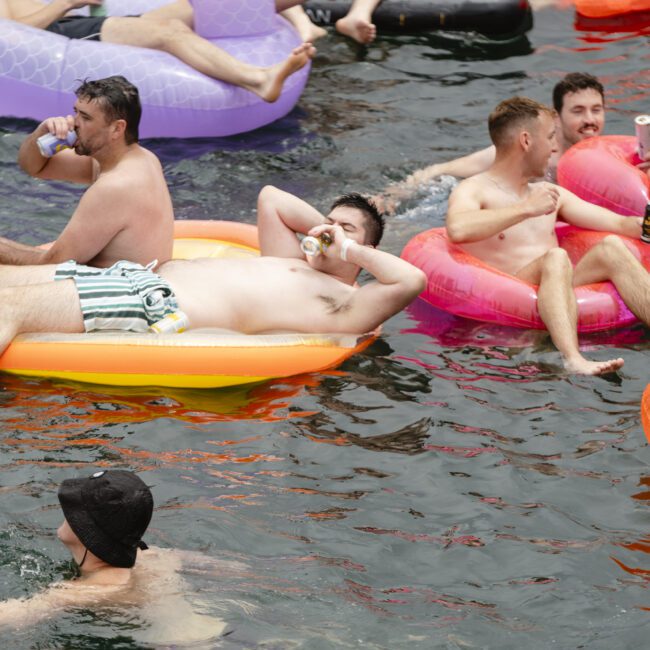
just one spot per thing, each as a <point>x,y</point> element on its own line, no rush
<point>450,487</point>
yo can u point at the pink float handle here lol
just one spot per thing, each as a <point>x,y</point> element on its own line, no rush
<point>602,170</point>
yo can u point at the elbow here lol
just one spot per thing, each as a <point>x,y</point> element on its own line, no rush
<point>416,284</point>
<point>455,234</point>
<point>266,193</point>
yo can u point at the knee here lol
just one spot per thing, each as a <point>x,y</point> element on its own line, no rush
<point>609,251</point>
<point>557,260</point>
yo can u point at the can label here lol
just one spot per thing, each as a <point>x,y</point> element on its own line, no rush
<point>176,322</point>
<point>642,128</point>
<point>49,144</point>
<point>645,226</point>
<point>311,246</point>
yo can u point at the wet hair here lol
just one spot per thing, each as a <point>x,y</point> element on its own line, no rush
<point>374,220</point>
<point>513,112</point>
<point>572,83</point>
<point>119,100</point>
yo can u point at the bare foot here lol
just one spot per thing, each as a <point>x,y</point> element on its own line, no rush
<point>270,87</point>
<point>312,32</point>
<point>582,366</point>
<point>361,30</point>
<point>303,25</point>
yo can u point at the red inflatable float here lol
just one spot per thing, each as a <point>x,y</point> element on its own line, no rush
<point>461,284</point>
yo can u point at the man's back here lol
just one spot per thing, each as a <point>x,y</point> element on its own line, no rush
<point>135,196</point>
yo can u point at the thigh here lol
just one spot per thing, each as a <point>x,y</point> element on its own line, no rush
<point>532,272</point>
<point>19,276</point>
<point>49,307</point>
<point>179,10</point>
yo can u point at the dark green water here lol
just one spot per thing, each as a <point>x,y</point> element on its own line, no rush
<point>450,487</point>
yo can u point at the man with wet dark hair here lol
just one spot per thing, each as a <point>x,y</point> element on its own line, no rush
<point>126,213</point>
<point>119,99</point>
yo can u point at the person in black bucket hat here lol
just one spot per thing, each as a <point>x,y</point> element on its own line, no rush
<point>106,516</point>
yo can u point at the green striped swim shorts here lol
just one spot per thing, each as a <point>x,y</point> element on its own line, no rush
<point>126,296</point>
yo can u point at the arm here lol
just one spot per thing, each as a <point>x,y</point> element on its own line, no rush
<point>95,222</point>
<point>594,217</point>
<point>396,284</point>
<point>64,166</point>
<point>469,221</point>
<point>280,216</point>
<point>48,13</point>
<point>464,167</point>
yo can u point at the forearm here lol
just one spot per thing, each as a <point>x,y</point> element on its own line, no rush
<point>280,216</point>
<point>30,158</point>
<point>45,16</point>
<point>387,269</point>
<point>477,225</point>
<point>17,254</point>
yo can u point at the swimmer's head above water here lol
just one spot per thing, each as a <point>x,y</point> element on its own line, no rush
<point>106,515</point>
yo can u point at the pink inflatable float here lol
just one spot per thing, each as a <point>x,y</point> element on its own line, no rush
<point>40,70</point>
<point>461,284</point>
<point>603,170</point>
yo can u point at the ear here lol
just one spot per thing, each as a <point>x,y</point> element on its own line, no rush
<point>525,140</point>
<point>118,127</point>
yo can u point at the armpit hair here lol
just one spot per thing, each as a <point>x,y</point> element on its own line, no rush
<point>334,307</point>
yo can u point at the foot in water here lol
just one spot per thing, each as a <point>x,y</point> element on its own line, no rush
<point>358,28</point>
<point>273,78</point>
<point>582,366</point>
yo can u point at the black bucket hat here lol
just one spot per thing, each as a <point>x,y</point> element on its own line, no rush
<point>109,512</point>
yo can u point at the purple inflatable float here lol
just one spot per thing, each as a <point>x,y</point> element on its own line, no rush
<point>39,70</point>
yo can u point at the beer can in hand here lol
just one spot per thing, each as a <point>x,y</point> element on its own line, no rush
<point>311,246</point>
<point>176,322</point>
<point>645,226</point>
<point>49,144</point>
<point>642,128</point>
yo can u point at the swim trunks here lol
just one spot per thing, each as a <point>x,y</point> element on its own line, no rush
<point>81,27</point>
<point>126,296</point>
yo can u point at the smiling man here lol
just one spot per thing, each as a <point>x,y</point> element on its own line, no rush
<point>126,213</point>
<point>579,103</point>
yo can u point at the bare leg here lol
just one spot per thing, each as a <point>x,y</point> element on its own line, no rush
<point>358,23</point>
<point>612,260</point>
<point>19,276</point>
<point>557,307</point>
<point>300,20</point>
<point>176,38</point>
<point>50,307</point>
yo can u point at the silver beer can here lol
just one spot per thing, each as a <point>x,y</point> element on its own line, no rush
<point>642,128</point>
<point>49,144</point>
<point>176,322</point>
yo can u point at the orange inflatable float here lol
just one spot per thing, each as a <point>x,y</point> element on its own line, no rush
<point>645,411</point>
<point>194,359</point>
<point>607,8</point>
